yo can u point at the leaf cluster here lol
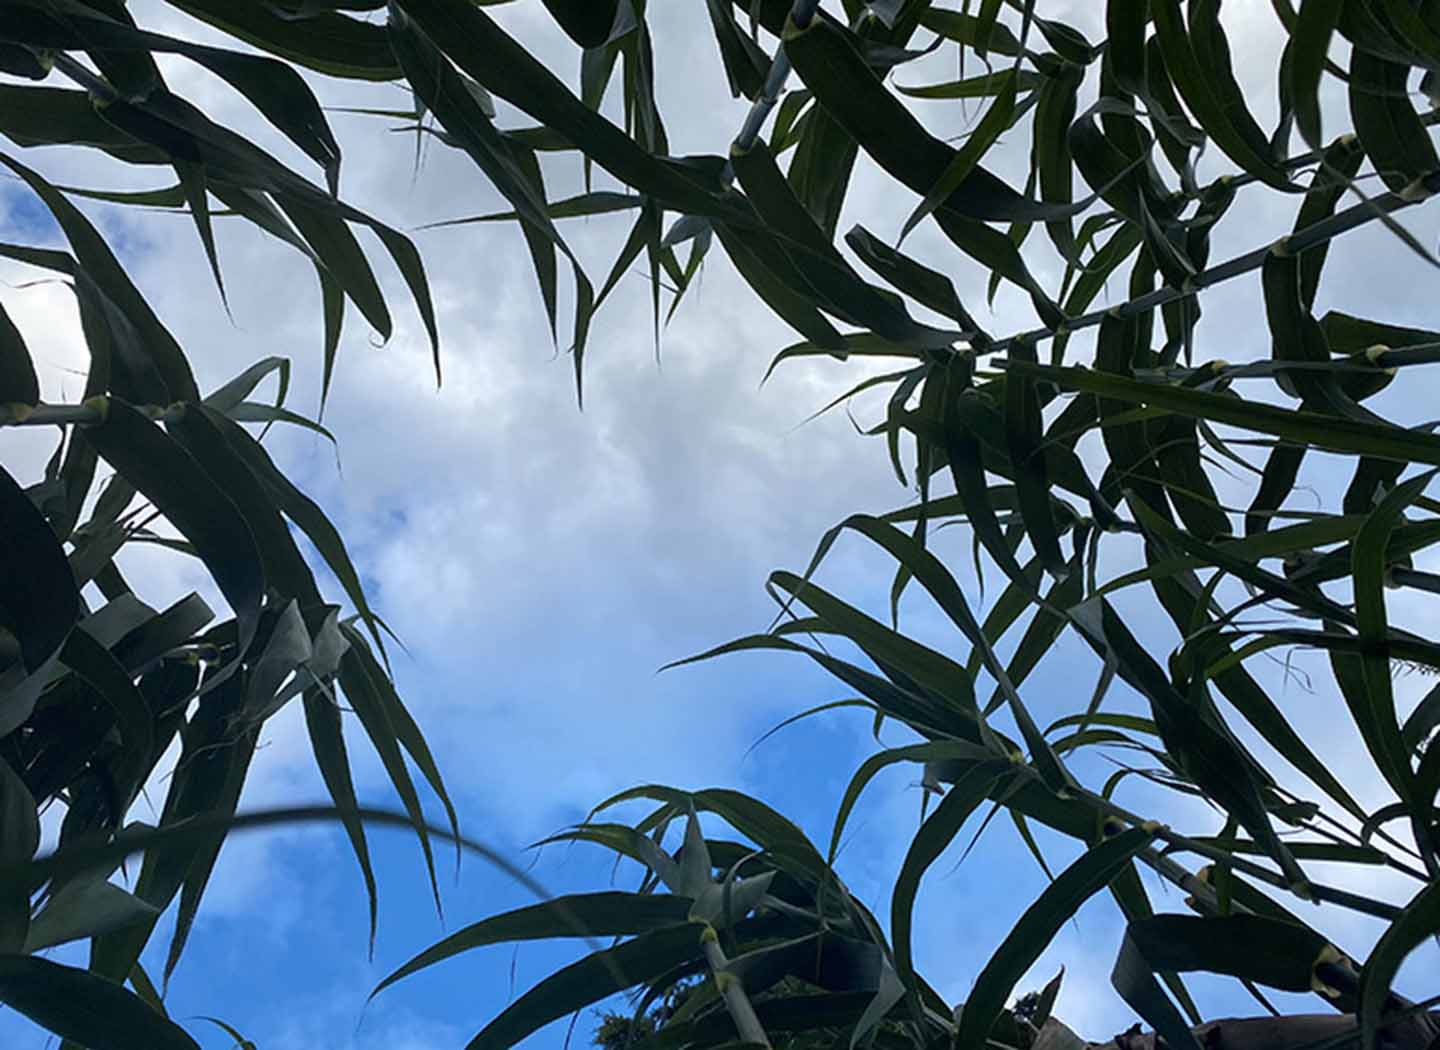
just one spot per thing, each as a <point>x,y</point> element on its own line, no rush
<point>1098,436</point>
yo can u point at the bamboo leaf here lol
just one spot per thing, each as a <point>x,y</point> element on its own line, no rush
<point>938,831</point>
<point>1419,920</point>
<point>37,590</point>
<point>1305,428</point>
<point>595,977</point>
<point>851,92</point>
<point>996,120</point>
<point>190,499</point>
<point>90,1010</point>
<point>18,382</point>
<point>1374,709</point>
<point>19,839</point>
<point>172,379</point>
<point>582,914</point>
<point>1035,929</point>
<point>1309,47</point>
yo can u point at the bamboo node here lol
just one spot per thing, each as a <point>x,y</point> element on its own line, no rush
<point>100,404</point>
<point>791,30</point>
<point>1415,192</point>
<point>15,412</point>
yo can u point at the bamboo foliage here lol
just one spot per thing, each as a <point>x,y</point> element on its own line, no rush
<point>1125,134</point>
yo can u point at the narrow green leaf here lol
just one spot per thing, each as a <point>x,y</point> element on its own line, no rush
<point>19,839</point>
<point>190,499</point>
<point>595,977</point>
<point>37,591</point>
<point>326,41</point>
<point>1037,927</point>
<point>843,83</point>
<point>938,831</point>
<point>1308,428</point>
<point>173,379</point>
<point>1375,711</point>
<point>1198,59</point>
<point>1419,920</point>
<point>361,680</point>
<point>578,915</point>
<point>996,120</point>
<point>18,382</point>
<point>90,1010</point>
<point>1309,47</point>
<point>327,742</point>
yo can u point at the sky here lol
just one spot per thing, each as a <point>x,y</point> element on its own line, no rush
<point>541,563</point>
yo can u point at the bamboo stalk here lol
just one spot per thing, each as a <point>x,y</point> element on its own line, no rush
<point>737,1002</point>
<point>801,14</point>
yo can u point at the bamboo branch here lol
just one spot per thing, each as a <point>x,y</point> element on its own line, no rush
<point>87,413</point>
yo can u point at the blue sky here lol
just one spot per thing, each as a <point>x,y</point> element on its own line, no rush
<point>541,563</point>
